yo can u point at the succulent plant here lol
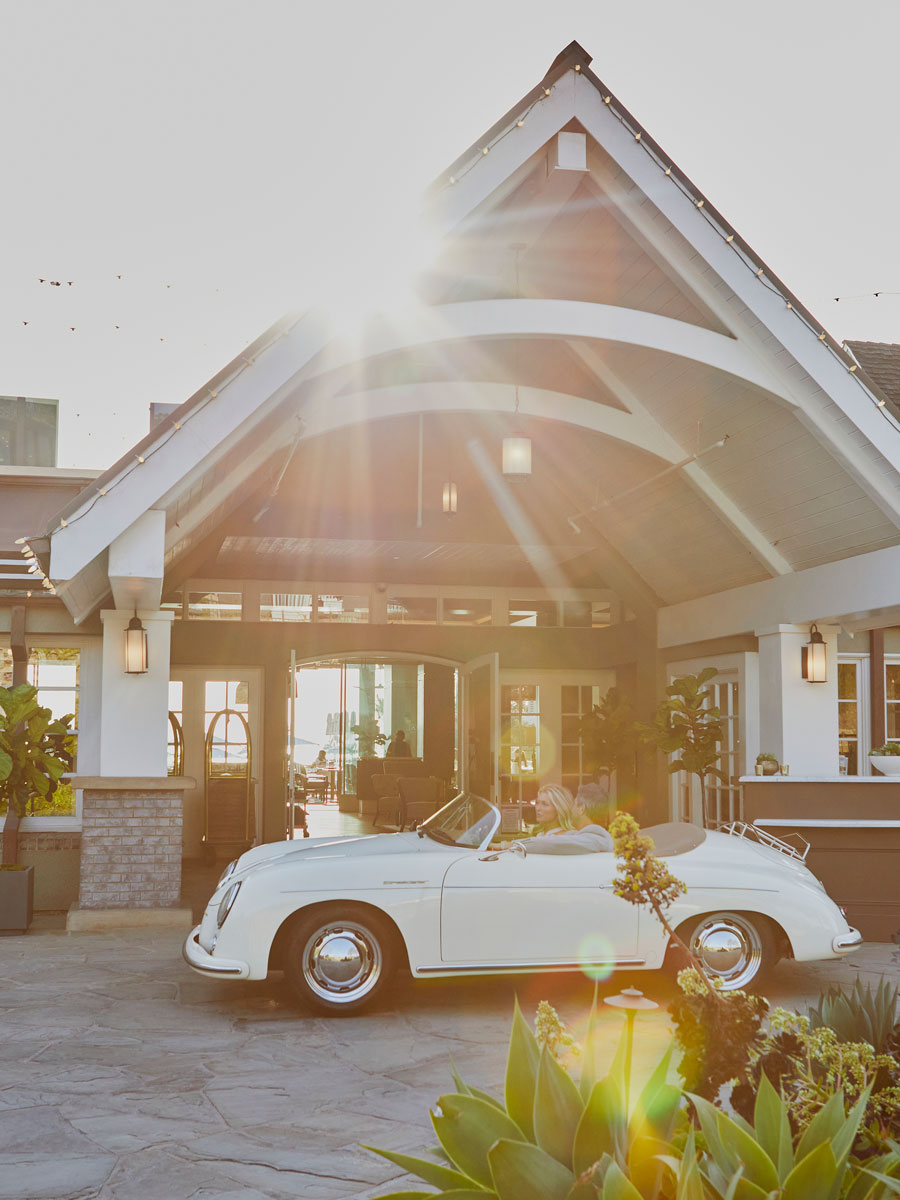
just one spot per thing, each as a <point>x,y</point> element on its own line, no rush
<point>551,1139</point>
<point>860,1015</point>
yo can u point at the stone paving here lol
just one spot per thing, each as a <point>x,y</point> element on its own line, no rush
<point>124,1076</point>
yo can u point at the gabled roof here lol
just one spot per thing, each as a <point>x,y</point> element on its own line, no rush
<point>880,364</point>
<point>744,438</point>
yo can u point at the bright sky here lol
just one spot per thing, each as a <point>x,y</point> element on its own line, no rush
<point>232,161</point>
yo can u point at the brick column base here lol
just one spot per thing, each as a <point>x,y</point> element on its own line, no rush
<point>130,853</point>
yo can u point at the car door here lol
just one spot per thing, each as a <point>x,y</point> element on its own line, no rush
<point>504,909</point>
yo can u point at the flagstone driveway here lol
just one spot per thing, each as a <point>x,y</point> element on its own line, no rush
<point>123,1076</point>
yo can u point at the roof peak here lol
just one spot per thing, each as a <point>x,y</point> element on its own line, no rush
<point>574,54</point>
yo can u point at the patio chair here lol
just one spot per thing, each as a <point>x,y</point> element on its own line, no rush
<point>387,800</point>
<point>419,798</point>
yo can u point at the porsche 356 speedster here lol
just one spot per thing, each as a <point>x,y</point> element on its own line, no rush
<point>340,915</point>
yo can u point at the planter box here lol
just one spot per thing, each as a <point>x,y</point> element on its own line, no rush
<point>16,900</point>
<point>887,764</point>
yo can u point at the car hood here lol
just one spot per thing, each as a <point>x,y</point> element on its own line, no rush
<point>353,846</point>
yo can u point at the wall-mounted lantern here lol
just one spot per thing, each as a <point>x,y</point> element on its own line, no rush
<point>814,662</point>
<point>517,458</point>
<point>450,498</point>
<point>135,647</point>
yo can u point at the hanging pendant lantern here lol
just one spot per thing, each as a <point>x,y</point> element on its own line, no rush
<point>450,498</point>
<point>517,458</point>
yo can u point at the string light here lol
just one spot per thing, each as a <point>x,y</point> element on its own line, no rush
<point>140,458</point>
<point>21,541</point>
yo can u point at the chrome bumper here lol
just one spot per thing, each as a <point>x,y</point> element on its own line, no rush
<point>204,964</point>
<point>845,942</point>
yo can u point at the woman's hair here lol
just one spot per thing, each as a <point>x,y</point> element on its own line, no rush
<point>566,807</point>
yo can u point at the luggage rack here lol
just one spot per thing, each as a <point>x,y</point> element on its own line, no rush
<point>742,830</point>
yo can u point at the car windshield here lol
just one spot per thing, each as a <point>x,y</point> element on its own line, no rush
<point>468,820</point>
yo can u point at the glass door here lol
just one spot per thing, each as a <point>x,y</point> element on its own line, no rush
<point>479,726</point>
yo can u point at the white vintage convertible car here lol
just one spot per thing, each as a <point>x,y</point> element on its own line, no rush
<point>340,915</point>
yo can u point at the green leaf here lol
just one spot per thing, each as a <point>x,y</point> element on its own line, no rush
<point>521,1073</point>
<point>589,1070</point>
<point>521,1171</point>
<point>824,1126</point>
<point>617,1186</point>
<point>467,1128</point>
<point>435,1174</point>
<point>601,1129</point>
<point>557,1109</point>
<point>743,1149</point>
<point>6,764</point>
<point>813,1177</point>
<point>887,1180</point>
<point>773,1129</point>
<point>416,1196</point>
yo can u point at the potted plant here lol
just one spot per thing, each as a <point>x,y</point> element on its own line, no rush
<point>767,763</point>
<point>35,751</point>
<point>610,736</point>
<point>886,758</point>
<point>688,725</point>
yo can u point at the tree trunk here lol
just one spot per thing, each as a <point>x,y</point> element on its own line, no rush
<point>10,855</point>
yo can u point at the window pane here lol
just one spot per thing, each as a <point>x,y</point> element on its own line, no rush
<point>467,612</point>
<point>173,604</point>
<point>343,609</point>
<point>412,610</point>
<point>6,668</point>
<point>893,720</point>
<point>285,606</point>
<point>847,719</point>
<point>892,681</point>
<point>533,612</point>
<point>570,699</point>
<point>214,606</point>
<point>847,681</point>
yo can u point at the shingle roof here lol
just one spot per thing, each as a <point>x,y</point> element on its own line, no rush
<point>881,363</point>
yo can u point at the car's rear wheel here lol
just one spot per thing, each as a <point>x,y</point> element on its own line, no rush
<point>734,948</point>
<point>338,959</point>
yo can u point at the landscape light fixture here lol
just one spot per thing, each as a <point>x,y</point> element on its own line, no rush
<point>813,660</point>
<point>135,647</point>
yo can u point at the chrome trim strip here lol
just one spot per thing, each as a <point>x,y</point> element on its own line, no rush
<point>496,968</point>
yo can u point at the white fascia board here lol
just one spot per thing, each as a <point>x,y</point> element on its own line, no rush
<point>495,174</point>
<point>838,592</point>
<point>561,319</point>
<point>819,362</point>
<point>239,404</point>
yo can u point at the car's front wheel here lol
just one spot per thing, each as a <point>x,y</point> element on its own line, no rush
<point>732,947</point>
<point>338,959</point>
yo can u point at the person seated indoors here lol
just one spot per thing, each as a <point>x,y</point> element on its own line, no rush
<point>563,825</point>
<point>398,746</point>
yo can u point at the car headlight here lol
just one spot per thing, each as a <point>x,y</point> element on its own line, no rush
<point>229,870</point>
<point>227,903</point>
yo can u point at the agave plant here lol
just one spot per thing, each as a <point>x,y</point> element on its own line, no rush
<point>551,1139</point>
<point>745,1161</point>
<point>860,1015</point>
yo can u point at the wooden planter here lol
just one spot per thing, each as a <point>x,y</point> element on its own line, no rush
<point>16,900</point>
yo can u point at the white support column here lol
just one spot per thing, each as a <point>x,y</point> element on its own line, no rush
<point>134,709</point>
<point>798,721</point>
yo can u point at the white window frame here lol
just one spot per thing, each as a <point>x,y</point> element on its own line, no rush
<point>88,753</point>
<point>863,711</point>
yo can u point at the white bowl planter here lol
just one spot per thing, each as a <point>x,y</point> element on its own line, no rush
<point>888,764</point>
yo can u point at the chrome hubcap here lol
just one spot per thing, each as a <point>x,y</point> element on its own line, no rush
<point>729,949</point>
<point>342,961</point>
